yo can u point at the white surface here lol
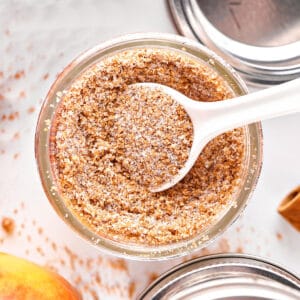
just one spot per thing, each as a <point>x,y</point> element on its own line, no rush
<point>41,37</point>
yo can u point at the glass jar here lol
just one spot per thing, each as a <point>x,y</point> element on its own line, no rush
<point>252,162</point>
<point>227,277</point>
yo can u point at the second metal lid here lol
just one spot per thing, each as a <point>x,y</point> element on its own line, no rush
<point>227,277</point>
<point>261,39</point>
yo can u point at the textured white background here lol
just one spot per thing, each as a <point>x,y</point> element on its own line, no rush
<point>40,38</point>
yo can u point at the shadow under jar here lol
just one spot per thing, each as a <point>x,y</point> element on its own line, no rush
<point>86,178</point>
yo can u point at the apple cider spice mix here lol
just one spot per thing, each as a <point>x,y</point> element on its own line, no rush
<point>111,141</point>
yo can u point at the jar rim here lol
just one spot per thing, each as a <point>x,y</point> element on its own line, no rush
<point>85,60</point>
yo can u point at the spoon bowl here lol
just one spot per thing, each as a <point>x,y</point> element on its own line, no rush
<point>210,119</point>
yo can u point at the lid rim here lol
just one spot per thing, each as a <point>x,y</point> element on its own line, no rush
<point>258,65</point>
<point>267,270</point>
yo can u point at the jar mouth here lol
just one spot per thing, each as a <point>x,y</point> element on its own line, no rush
<point>253,145</point>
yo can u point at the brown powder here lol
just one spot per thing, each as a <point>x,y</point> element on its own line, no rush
<point>224,245</point>
<point>8,225</point>
<point>54,246</point>
<point>152,276</point>
<point>31,110</point>
<point>45,77</point>
<point>151,137</point>
<point>89,161</point>
<point>131,289</point>
<point>40,251</point>
<point>16,136</point>
<point>118,264</point>
<point>19,74</point>
<point>22,94</point>
<point>13,116</point>
<point>239,249</point>
<point>279,236</point>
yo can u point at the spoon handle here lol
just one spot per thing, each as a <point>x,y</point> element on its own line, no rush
<point>273,102</point>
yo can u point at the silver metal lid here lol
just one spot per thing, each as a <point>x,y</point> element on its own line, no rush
<point>227,277</point>
<point>261,39</point>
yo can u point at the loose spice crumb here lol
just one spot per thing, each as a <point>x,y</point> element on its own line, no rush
<point>98,279</point>
<point>16,136</point>
<point>8,225</point>
<point>16,155</point>
<point>152,277</point>
<point>54,246</point>
<point>72,257</point>
<point>118,264</point>
<point>93,173</point>
<point>22,94</point>
<point>62,262</point>
<point>12,116</point>
<point>239,249</point>
<point>19,74</point>
<point>131,289</point>
<point>45,77</point>
<point>77,280</point>
<point>40,230</point>
<point>40,251</point>
<point>31,110</point>
<point>279,236</point>
<point>157,133</point>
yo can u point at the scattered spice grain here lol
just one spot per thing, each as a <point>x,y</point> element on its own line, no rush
<point>12,116</point>
<point>19,74</point>
<point>22,94</point>
<point>31,110</point>
<point>131,289</point>
<point>239,249</point>
<point>152,276</point>
<point>279,236</point>
<point>45,77</point>
<point>8,225</point>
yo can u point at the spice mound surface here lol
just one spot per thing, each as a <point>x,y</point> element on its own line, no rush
<point>99,149</point>
<point>152,135</point>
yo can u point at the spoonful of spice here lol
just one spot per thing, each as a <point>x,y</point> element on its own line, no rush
<point>210,119</point>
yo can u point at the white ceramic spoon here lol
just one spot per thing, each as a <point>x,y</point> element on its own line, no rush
<point>210,119</point>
